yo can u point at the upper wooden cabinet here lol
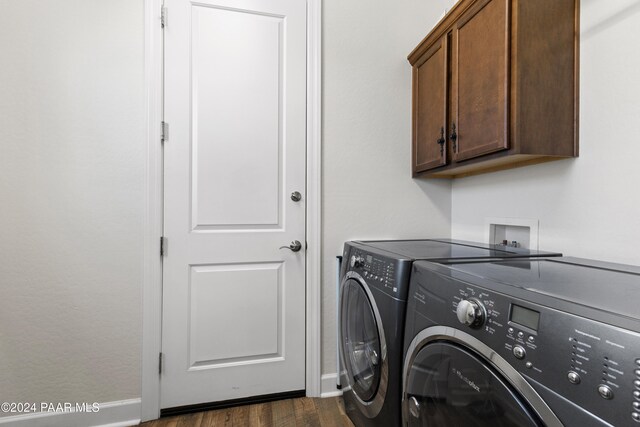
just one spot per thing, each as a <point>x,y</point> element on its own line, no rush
<point>430,108</point>
<point>495,86</point>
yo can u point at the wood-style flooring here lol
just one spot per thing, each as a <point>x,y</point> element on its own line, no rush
<point>305,411</point>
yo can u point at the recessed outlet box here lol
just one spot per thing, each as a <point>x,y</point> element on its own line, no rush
<point>515,232</point>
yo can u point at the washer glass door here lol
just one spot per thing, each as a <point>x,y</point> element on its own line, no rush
<point>448,385</point>
<point>360,340</point>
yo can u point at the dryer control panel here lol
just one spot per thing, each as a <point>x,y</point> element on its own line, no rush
<point>591,363</point>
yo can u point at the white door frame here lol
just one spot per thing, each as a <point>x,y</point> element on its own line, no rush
<point>152,286</point>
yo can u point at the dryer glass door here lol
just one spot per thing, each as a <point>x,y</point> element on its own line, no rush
<point>360,340</point>
<point>448,385</point>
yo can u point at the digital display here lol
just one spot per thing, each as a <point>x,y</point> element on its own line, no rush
<point>525,317</point>
<point>369,259</point>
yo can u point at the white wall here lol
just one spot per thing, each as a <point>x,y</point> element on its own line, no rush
<point>71,200</point>
<point>588,206</point>
<point>368,191</point>
<point>72,162</point>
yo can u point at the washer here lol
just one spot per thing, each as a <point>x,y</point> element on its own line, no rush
<point>523,343</point>
<point>373,295</point>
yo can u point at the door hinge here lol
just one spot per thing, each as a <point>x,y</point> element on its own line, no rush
<point>164,131</point>
<point>160,363</point>
<point>163,245</point>
<point>163,17</point>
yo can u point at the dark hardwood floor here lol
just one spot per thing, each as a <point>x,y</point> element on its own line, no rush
<point>304,411</point>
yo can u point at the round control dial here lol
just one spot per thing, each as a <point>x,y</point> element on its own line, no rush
<point>471,312</point>
<point>357,261</point>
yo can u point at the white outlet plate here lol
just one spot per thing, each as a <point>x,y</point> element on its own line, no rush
<point>499,228</point>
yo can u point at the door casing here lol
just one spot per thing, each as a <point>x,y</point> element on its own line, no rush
<point>153,218</point>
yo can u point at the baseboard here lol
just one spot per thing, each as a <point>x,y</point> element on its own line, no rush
<point>121,413</point>
<point>329,388</point>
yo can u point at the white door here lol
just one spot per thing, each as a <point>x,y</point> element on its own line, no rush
<point>235,100</point>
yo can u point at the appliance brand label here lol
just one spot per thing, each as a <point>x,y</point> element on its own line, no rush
<point>465,380</point>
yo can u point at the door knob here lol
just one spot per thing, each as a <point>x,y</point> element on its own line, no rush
<point>295,246</point>
<point>296,196</point>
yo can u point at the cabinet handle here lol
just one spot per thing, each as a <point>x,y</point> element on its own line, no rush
<point>441,141</point>
<point>454,136</point>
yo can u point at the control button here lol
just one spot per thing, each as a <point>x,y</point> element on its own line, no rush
<point>638,361</point>
<point>528,365</point>
<point>519,352</point>
<point>636,394</point>
<point>520,334</point>
<point>636,383</point>
<point>573,377</point>
<point>637,372</point>
<point>636,406</point>
<point>605,392</point>
<point>635,416</point>
<point>510,330</point>
<point>531,338</point>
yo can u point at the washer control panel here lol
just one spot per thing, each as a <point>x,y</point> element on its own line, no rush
<point>593,364</point>
<point>387,274</point>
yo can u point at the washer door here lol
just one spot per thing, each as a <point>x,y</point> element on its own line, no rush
<point>361,347</point>
<point>448,385</point>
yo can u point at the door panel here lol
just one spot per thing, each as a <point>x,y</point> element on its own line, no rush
<point>235,99</point>
<point>361,347</point>
<point>256,293</point>
<point>482,80</point>
<point>237,118</point>
<point>450,385</point>
<point>430,106</point>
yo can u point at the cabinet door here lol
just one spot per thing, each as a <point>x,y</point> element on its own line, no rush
<point>481,80</point>
<point>430,108</point>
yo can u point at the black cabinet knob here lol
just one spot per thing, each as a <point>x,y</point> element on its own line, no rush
<point>441,141</point>
<point>454,136</point>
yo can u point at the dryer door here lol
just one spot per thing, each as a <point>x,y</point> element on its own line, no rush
<point>448,385</point>
<point>362,341</point>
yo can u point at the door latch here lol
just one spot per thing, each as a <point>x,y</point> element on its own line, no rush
<point>295,246</point>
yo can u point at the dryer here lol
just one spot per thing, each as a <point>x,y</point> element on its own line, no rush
<point>523,343</point>
<point>373,295</point>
